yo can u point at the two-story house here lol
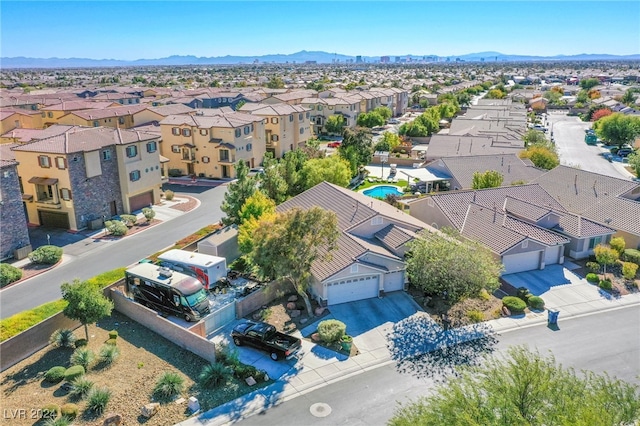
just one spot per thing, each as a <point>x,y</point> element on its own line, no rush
<point>211,142</point>
<point>323,108</point>
<point>85,174</point>
<point>118,117</point>
<point>287,127</point>
<point>52,113</point>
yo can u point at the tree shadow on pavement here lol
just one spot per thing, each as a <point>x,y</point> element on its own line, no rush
<point>422,348</point>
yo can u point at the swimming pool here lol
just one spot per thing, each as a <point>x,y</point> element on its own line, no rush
<point>382,191</point>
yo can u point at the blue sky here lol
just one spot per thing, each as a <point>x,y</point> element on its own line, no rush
<point>154,29</point>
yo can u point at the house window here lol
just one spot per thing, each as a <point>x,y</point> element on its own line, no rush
<point>152,146</point>
<point>249,147</point>
<point>274,138</point>
<point>290,117</point>
<point>175,148</point>
<point>186,132</point>
<point>311,107</point>
<point>247,130</point>
<point>205,159</point>
<point>203,132</point>
<point>61,163</point>
<point>594,242</point>
<point>319,107</point>
<point>132,151</point>
<point>300,116</point>
<point>354,268</point>
<point>121,120</point>
<point>96,124</point>
<point>175,131</point>
<point>106,155</point>
<point>50,114</point>
<point>251,127</point>
<point>274,120</point>
<point>224,155</point>
<point>65,194</point>
<point>308,114</point>
<point>45,193</point>
<point>134,175</point>
<point>302,130</point>
<point>44,161</point>
<point>525,244</point>
<point>330,107</point>
<point>238,133</point>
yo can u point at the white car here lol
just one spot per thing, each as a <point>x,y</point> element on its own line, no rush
<point>393,121</point>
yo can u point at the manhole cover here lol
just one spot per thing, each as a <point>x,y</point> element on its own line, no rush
<point>320,409</point>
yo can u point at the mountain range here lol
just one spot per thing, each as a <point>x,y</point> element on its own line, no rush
<point>293,58</point>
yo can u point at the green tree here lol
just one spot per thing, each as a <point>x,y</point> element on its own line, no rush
<point>439,263</point>
<point>617,128</point>
<point>384,112</point>
<point>541,156</point>
<point>589,83</point>
<point>488,179</point>
<point>292,165</point>
<point>525,388</point>
<point>272,181</point>
<point>430,119</point>
<point>634,162</point>
<point>389,142</point>
<point>629,98</point>
<point>333,169</point>
<point>495,94</point>
<point>86,303</point>
<point>618,244</point>
<point>275,82</point>
<point>237,194</point>
<point>534,137</point>
<point>605,255</point>
<point>257,207</point>
<point>370,119</point>
<point>334,124</point>
<point>356,148</point>
<point>286,247</point>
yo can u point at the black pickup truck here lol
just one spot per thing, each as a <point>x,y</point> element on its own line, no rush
<point>265,337</point>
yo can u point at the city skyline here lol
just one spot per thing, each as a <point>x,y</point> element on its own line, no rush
<point>151,29</point>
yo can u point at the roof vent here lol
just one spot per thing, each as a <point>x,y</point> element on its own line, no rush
<point>165,272</point>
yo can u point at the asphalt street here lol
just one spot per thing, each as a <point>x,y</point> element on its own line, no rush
<point>569,133</point>
<point>96,257</point>
<point>601,342</point>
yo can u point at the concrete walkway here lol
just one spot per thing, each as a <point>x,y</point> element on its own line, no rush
<point>573,296</point>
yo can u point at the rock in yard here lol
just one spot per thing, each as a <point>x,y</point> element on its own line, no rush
<point>250,381</point>
<point>112,419</point>
<point>304,320</point>
<point>295,313</point>
<point>150,409</point>
<point>292,298</point>
<point>319,311</point>
<point>506,311</point>
<point>291,306</point>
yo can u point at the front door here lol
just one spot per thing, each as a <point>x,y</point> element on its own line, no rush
<point>225,171</point>
<point>113,208</point>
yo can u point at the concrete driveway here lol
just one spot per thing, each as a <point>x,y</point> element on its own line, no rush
<point>541,281</point>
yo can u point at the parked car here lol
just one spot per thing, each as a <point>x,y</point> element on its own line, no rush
<point>394,121</point>
<point>265,337</point>
<point>334,144</point>
<point>625,152</point>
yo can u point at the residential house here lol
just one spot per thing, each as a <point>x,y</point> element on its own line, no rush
<point>121,98</point>
<point>446,145</point>
<point>321,109</point>
<point>87,173</point>
<point>287,127</point>
<point>15,234</point>
<point>22,136</point>
<point>16,118</point>
<point>604,199</point>
<point>369,259</point>
<point>211,142</point>
<point>292,98</point>
<point>522,225</point>
<point>153,114</point>
<point>52,113</point>
<point>460,170</point>
<point>119,117</point>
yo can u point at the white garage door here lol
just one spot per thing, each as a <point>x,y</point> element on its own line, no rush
<point>394,281</point>
<point>352,289</point>
<point>552,255</point>
<point>521,262</point>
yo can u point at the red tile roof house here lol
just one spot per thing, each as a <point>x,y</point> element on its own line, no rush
<point>523,225</point>
<point>369,260</point>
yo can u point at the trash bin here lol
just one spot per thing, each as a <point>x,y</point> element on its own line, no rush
<point>553,316</point>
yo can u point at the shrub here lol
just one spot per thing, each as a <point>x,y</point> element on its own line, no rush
<point>9,274</point>
<point>475,316</point>
<point>536,302</point>
<point>58,421</point>
<point>55,374</point>
<point>631,255</point>
<point>83,357</point>
<point>129,219</point>
<point>168,195</point>
<point>116,227</point>
<point>97,399</point>
<point>50,411</point>
<point>524,294</point>
<point>243,371</point>
<point>81,387</point>
<point>605,285</point>
<point>593,267</point>
<point>168,385</point>
<point>111,342</point>
<point>113,334</point>
<point>73,373</point>
<point>80,343</point>
<point>592,278</point>
<point>148,213</point>
<point>618,244</point>
<point>484,295</point>
<point>49,255</point>
<point>69,410</point>
<point>63,338</point>
<point>514,304</point>
<point>331,331</point>
<point>214,375</point>
<point>108,354</point>
<point>629,270</point>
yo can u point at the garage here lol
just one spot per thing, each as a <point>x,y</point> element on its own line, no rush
<point>137,202</point>
<point>521,262</point>
<point>53,219</point>
<point>552,255</point>
<point>394,281</point>
<point>351,289</point>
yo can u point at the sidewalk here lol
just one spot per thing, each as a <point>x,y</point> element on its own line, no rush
<point>318,368</point>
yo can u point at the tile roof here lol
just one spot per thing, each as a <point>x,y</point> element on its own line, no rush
<point>85,139</point>
<point>77,105</point>
<point>27,135</point>
<point>97,114</point>
<point>171,109</point>
<point>272,110</point>
<point>7,157</point>
<point>234,119</point>
<point>581,227</point>
<point>393,236</point>
<point>446,145</point>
